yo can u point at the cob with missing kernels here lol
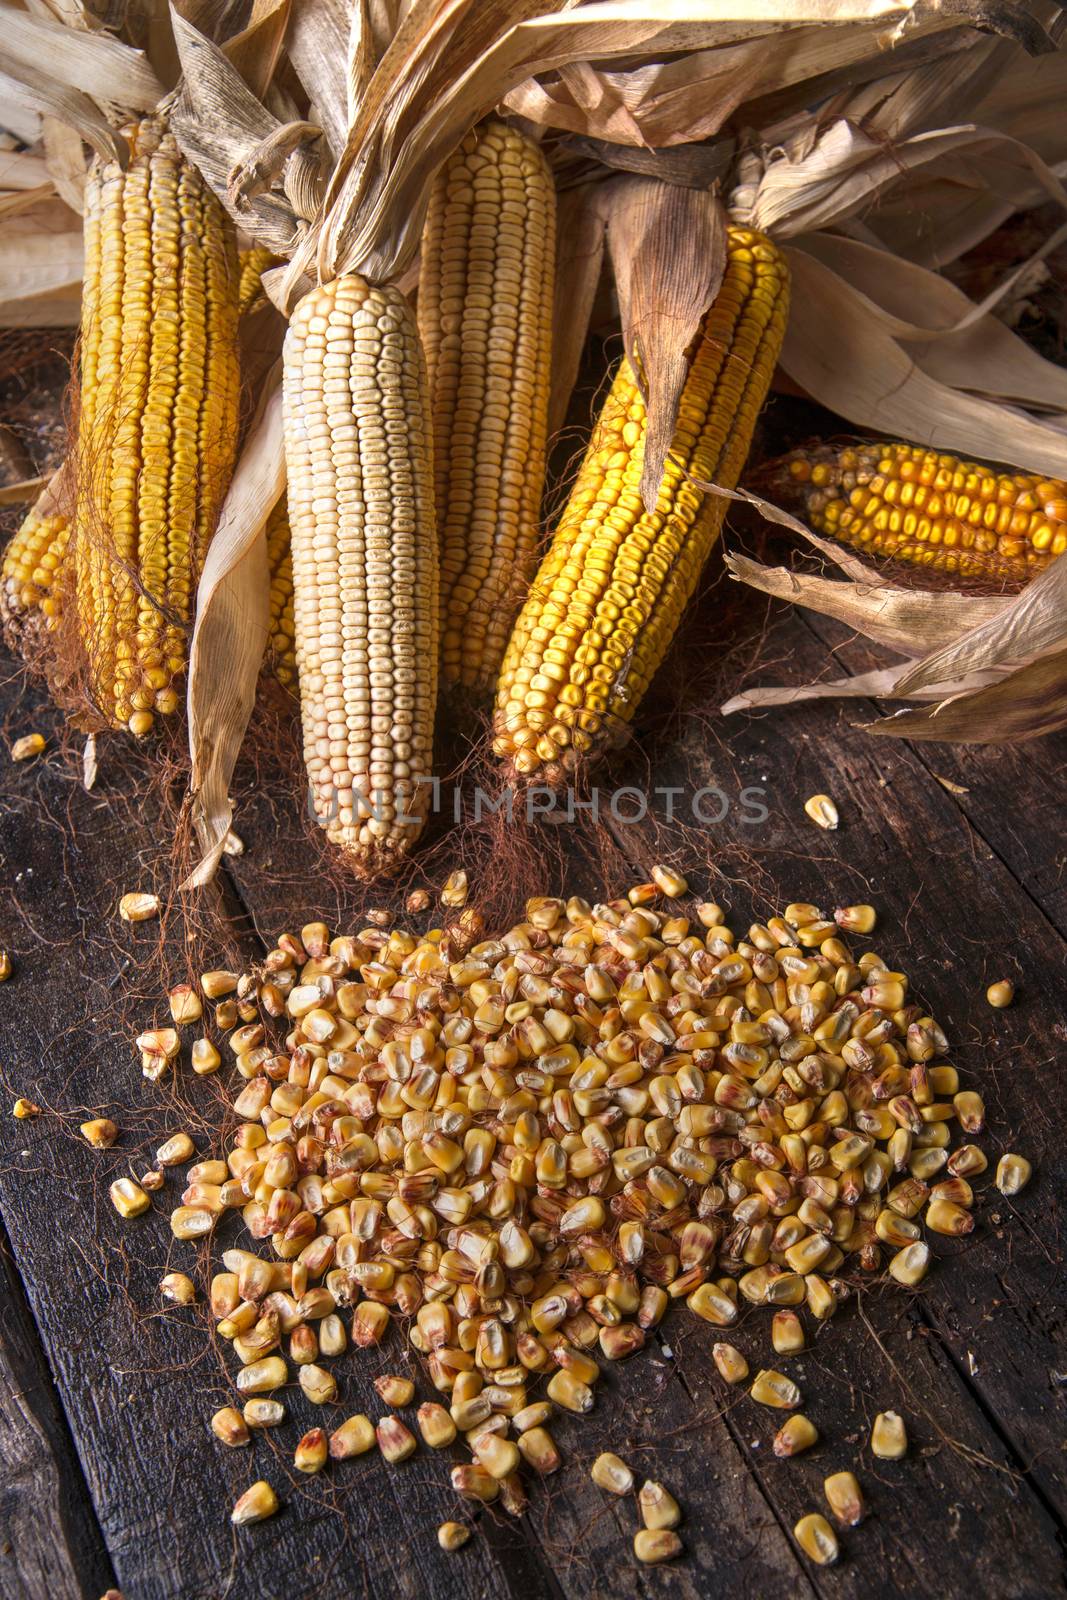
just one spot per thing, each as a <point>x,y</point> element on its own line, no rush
<point>612,587</point>
<point>281,650</point>
<point>157,419</point>
<point>365,571</point>
<point>917,505</point>
<point>30,578</point>
<point>485,317</point>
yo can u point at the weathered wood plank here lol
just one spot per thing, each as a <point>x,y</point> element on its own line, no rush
<point>961,1460</point>
<point>50,1543</point>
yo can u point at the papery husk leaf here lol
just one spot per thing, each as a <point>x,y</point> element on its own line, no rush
<point>40,278</point>
<point>1024,705</point>
<point>21,201</point>
<point>761,50</point>
<point>257,50</point>
<point>20,169</point>
<point>822,184</point>
<point>905,620</point>
<point>231,629</point>
<point>668,251</point>
<point>693,166</point>
<point>318,46</point>
<point>839,351</point>
<point>878,684</point>
<point>96,64</point>
<point>65,160</point>
<point>1033,623</point>
<point>21,117</point>
<point>36,93</point>
<point>581,225</point>
<point>439,77</point>
<point>16,494</point>
<point>950,337</point>
<point>218,122</point>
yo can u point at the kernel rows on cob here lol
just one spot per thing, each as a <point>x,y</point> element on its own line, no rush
<point>31,578</point>
<point>612,587</point>
<point>157,417</point>
<point>37,564</point>
<point>485,317</point>
<point>365,564</point>
<point>917,505</point>
<point>527,1146</point>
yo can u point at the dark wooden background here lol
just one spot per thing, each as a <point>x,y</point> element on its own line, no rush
<point>108,1472</point>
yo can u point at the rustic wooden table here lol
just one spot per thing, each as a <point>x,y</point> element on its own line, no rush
<point>108,1472</point>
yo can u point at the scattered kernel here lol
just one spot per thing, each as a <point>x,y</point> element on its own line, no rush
<point>1013,1173</point>
<point>817,1539</point>
<point>138,907</point>
<point>255,1504</point>
<point>100,1132</point>
<point>822,811</point>
<point>656,1544</point>
<point>611,1473</point>
<point>1001,994</point>
<point>24,1108</point>
<point>453,1535</point>
<point>128,1198</point>
<point>30,745</point>
<point>179,1288</point>
<point>889,1438</point>
<point>844,1497</point>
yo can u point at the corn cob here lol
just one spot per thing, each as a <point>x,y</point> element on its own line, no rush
<point>360,486</point>
<point>30,579</point>
<point>253,264</point>
<point>916,505</point>
<point>280,648</point>
<point>157,426</point>
<point>608,597</point>
<point>485,316</point>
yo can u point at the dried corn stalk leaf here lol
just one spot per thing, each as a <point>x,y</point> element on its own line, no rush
<point>29,93</point>
<point>905,620</point>
<point>257,50</point>
<point>668,250</point>
<point>231,628</point>
<point>841,353</point>
<point>580,230</point>
<point>218,122</point>
<point>40,278</point>
<point>953,340</point>
<point>65,160</point>
<point>878,684</point>
<point>318,47</point>
<point>1033,623</point>
<point>92,63</point>
<point>1026,704</point>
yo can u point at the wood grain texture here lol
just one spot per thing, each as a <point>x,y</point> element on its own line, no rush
<point>968,888</point>
<point>50,1541</point>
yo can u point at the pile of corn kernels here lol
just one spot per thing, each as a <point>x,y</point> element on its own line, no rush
<point>528,1146</point>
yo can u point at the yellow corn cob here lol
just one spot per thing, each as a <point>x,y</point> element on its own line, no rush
<point>485,316</point>
<point>607,600</point>
<point>281,649</point>
<point>917,505</point>
<point>253,264</point>
<point>360,486</point>
<point>34,563</point>
<point>157,425</point>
